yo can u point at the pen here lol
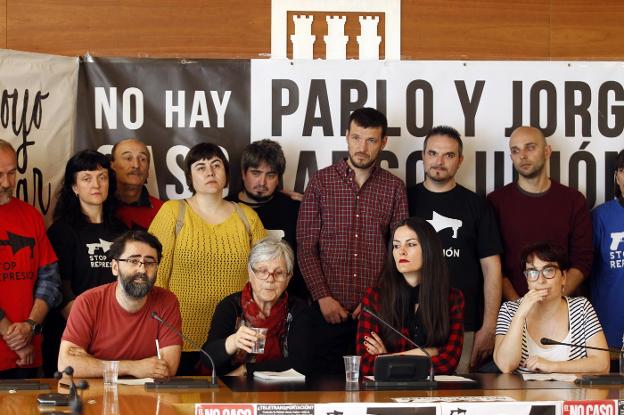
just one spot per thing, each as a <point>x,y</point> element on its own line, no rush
<point>158,348</point>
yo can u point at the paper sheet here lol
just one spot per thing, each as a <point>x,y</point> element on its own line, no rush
<point>287,375</point>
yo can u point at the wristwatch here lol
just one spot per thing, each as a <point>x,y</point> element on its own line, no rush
<point>36,327</point>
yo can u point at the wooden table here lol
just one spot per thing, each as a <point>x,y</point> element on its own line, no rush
<point>101,400</point>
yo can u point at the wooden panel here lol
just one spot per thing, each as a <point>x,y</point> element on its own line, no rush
<point>223,28</point>
<point>495,29</point>
<point>3,15</point>
<point>587,29</point>
<point>431,29</point>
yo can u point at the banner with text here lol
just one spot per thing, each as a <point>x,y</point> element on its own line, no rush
<point>37,111</point>
<point>170,105</point>
<point>304,105</point>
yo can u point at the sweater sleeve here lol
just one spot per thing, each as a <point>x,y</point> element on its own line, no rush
<point>580,243</point>
<point>223,325</point>
<point>163,228</point>
<point>448,355</point>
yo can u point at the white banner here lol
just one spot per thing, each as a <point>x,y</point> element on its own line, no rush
<point>580,105</point>
<point>37,114</point>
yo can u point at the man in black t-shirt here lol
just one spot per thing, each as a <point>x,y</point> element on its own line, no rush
<point>469,234</point>
<point>262,167</point>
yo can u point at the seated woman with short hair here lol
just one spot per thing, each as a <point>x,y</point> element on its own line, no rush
<point>545,312</point>
<point>263,303</point>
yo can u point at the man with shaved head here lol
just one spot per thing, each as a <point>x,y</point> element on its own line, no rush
<point>537,208</point>
<point>131,161</point>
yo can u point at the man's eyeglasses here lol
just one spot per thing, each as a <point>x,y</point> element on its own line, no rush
<point>549,272</point>
<point>263,274</point>
<point>136,263</point>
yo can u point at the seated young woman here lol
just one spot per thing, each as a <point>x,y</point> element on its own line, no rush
<point>263,303</point>
<point>413,294</point>
<point>545,312</point>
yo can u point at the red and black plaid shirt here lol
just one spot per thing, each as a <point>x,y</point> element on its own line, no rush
<point>342,230</point>
<point>448,354</point>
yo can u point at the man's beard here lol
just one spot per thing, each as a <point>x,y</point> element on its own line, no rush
<point>5,195</point>
<point>258,198</point>
<point>364,165</point>
<point>135,289</point>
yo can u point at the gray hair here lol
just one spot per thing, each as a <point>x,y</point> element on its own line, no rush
<point>268,249</point>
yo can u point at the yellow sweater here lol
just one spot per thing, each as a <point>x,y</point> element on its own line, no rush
<point>207,262</point>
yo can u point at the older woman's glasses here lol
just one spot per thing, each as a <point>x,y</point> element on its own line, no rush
<point>136,263</point>
<point>263,274</point>
<point>549,272</point>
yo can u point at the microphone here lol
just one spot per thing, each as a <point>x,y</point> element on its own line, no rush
<point>410,341</point>
<point>550,342</point>
<point>156,317</point>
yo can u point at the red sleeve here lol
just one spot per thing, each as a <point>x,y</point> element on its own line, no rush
<point>80,323</point>
<point>169,310</point>
<point>400,212</point>
<point>580,250</point>
<point>308,233</point>
<point>448,355</point>
<point>366,324</point>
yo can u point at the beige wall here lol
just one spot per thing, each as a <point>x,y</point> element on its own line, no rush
<point>431,29</point>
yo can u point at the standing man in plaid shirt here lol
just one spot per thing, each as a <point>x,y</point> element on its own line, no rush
<point>345,219</point>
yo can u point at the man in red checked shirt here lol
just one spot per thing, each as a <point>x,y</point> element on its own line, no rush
<point>345,219</point>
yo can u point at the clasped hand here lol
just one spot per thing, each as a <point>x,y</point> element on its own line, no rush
<point>374,345</point>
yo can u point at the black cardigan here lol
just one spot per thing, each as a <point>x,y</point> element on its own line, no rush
<point>223,325</point>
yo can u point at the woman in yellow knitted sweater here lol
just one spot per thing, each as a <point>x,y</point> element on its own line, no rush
<point>206,240</point>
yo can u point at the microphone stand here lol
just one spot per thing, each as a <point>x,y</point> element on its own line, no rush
<point>549,342</point>
<point>213,382</point>
<point>404,337</point>
<point>601,379</point>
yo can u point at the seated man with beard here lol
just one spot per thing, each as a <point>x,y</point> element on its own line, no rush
<point>113,321</point>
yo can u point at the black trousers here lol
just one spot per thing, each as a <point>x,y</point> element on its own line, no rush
<point>331,342</point>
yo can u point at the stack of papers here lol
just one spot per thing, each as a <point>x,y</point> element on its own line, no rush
<point>289,375</point>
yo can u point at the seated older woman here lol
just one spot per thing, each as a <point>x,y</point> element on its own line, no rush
<point>545,312</point>
<point>263,303</point>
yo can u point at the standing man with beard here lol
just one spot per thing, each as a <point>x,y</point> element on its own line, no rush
<point>537,208</point>
<point>113,321</point>
<point>29,278</point>
<point>345,220</point>
<point>470,240</point>
<point>130,160</point>
<point>262,168</point>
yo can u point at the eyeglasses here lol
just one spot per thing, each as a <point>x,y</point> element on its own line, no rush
<point>549,272</point>
<point>263,274</point>
<point>134,262</point>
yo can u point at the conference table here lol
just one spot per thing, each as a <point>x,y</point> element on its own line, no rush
<point>123,399</point>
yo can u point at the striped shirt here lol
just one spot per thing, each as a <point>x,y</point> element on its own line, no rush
<point>581,316</point>
<point>343,230</point>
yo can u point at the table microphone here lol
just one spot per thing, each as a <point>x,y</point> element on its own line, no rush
<point>549,342</point>
<point>410,341</point>
<point>156,317</point>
